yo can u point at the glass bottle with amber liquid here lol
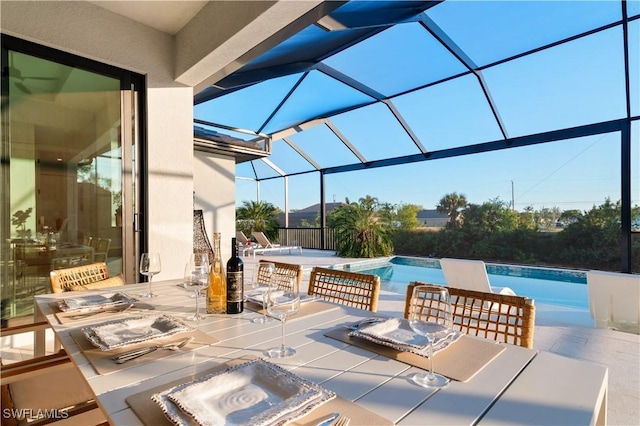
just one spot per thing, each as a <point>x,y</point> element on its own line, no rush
<point>217,291</point>
<point>235,281</point>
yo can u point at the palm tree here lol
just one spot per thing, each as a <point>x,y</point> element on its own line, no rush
<point>359,230</point>
<point>369,202</point>
<point>451,204</point>
<point>258,216</point>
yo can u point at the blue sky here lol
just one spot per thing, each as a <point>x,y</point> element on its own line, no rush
<point>572,84</point>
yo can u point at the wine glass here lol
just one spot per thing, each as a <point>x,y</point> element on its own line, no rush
<point>199,278</point>
<point>149,266</point>
<point>262,277</point>
<point>430,316</point>
<point>283,303</point>
<point>188,277</point>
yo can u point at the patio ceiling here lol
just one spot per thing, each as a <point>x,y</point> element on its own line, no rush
<point>376,83</point>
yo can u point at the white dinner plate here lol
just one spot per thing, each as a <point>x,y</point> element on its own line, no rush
<point>94,301</point>
<point>396,333</point>
<point>122,332</point>
<point>255,393</point>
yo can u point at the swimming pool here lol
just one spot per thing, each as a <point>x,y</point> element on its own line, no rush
<point>545,285</point>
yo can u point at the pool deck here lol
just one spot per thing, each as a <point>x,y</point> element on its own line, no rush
<point>562,330</point>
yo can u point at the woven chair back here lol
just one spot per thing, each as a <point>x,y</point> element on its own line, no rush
<point>501,317</point>
<point>347,288</point>
<point>66,279</point>
<point>282,274</point>
<point>201,243</point>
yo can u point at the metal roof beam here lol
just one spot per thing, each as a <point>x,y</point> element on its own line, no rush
<point>345,141</point>
<point>405,125</point>
<point>234,129</point>
<point>460,54</point>
<point>349,81</point>
<point>302,153</point>
<point>555,135</point>
<point>282,102</point>
<point>281,134</point>
<point>274,167</point>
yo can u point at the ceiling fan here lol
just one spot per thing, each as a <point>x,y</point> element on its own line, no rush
<point>15,75</point>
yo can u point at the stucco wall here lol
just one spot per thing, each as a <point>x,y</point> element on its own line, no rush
<point>215,193</point>
<point>220,39</point>
<point>89,31</point>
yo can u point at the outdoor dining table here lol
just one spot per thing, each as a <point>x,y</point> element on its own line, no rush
<point>518,386</point>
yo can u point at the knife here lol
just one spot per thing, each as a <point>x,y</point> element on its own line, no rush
<point>328,420</point>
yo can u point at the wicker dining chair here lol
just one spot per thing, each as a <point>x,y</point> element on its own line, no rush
<point>347,288</point>
<point>50,384</point>
<point>86,277</point>
<point>501,317</point>
<point>281,275</point>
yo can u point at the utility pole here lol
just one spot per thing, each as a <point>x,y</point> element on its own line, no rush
<point>513,201</point>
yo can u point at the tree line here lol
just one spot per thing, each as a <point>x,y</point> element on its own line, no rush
<point>491,231</point>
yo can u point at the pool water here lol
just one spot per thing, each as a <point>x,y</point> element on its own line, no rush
<point>544,285</point>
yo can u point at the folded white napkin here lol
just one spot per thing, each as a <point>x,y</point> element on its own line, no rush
<point>396,333</point>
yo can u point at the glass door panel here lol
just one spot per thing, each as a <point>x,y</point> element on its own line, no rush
<point>62,175</point>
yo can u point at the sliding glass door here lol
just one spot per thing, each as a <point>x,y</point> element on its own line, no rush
<point>68,136</point>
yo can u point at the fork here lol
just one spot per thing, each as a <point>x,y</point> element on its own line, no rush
<point>342,420</point>
<point>173,346</point>
<point>355,326</point>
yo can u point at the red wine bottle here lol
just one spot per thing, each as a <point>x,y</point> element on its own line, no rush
<point>235,281</point>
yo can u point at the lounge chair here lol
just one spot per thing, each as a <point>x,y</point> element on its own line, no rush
<point>245,245</point>
<point>614,300</point>
<point>267,246</point>
<point>470,275</point>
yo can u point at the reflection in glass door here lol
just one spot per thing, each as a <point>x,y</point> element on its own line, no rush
<point>62,175</point>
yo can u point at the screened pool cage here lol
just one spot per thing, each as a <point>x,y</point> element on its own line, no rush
<point>420,93</point>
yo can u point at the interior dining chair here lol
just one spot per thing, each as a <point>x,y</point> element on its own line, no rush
<point>281,275</point>
<point>48,388</point>
<point>85,277</point>
<point>102,250</point>
<point>94,242</point>
<point>354,289</point>
<point>501,317</point>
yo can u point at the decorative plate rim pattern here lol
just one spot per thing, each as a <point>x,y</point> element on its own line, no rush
<point>366,332</point>
<point>317,395</point>
<point>110,300</point>
<point>93,332</point>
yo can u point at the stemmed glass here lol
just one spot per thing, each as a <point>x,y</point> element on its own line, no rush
<point>199,270</point>
<point>283,303</point>
<point>149,266</point>
<point>430,316</point>
<point>262,277</point>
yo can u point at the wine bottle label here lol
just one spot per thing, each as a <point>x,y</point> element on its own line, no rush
<point>234,286</point>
